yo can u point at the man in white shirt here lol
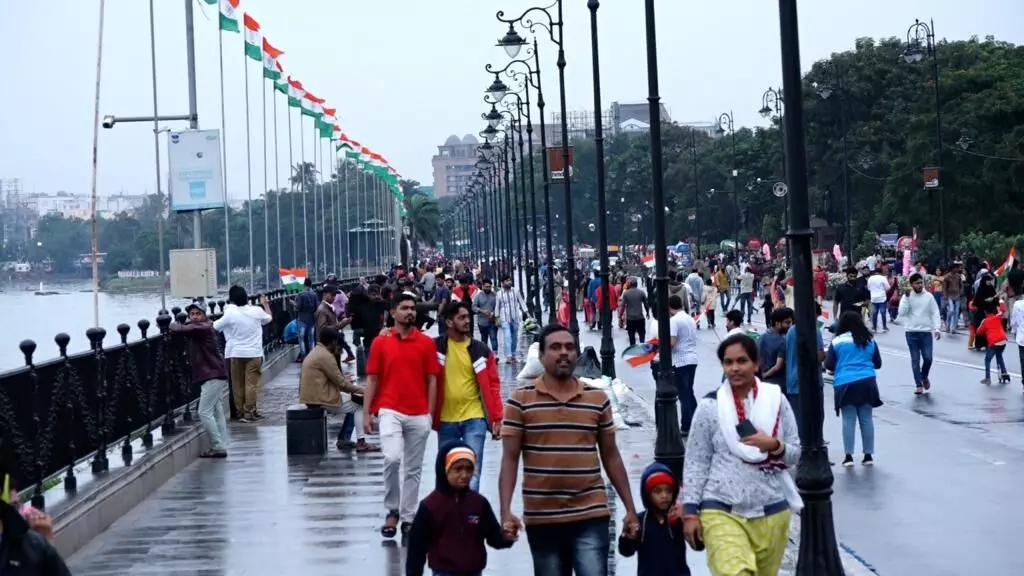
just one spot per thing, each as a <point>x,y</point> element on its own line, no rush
<point>509,308</point>
<point>920,315</point>
<point>242,326</point>
<point>684,359</point>
<point>878,285</point>
<point>1017,325</point>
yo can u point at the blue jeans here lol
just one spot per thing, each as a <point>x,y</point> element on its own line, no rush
<point>490,333</point>
<point>920,344</point>
<point>684,376</point>
<point>952,313</point>
<point>474,433</point>
<point>511,333</point>
<point>851,416</point>
<point>997,352</point>
<point>941,302</point>
<point>746,304</point>
<point>725,298</point>
<point>876,310</point>
<point>307,338</point>
<point>565,548</point>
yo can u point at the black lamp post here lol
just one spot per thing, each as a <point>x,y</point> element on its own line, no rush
<point>773,106</point>
<point>605,310</point>
<point>516,120</point>
<point>668,444</point>
<point>725,123</point>
<point>512,43</point>
<point>921,40</point>
<point>696,188</point>
<point>819,554</point>
<point>832,85</point>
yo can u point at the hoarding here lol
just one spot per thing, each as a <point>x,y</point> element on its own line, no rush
<point>195,171</point>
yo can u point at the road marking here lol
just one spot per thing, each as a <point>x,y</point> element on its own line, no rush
<point>983,457</point>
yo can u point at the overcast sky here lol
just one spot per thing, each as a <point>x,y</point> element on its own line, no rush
<point>404,74</point>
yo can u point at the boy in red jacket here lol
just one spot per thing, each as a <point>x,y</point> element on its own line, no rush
<point>991,328</point>
<point>453,522</point>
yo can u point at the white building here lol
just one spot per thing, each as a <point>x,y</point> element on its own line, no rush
<point>80,205</point>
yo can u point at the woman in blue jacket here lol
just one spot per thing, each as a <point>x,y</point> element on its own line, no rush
<point>853,357</point>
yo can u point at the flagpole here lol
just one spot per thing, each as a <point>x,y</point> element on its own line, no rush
<point>335,213</point>
<point>266,194</point>
<point>95,165</point>
<point>316,175</point>
<point>277,179</point>
<point>291,184</point>
<point>248,174</point>
<point>377,218</point>
<point>323,204</point>
<point>359,241</point>
<point>156,149</point>
<point>224,159</point>
<point>305,222</point>
<point>348,227</point>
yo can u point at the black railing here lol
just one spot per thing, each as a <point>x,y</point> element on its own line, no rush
<point>58,413</point>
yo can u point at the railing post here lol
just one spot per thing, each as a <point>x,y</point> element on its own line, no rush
<point>127,364</point>
<point>166,369</point>
<point>99,460</point>
<point>70,481</point>
<point>28,348</point>
<point>147,386</point>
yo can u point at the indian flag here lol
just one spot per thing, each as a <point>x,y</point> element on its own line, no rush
<point>326,122</point>
<point>1003,270</point>
<point>295,93</point>
<point>312,106</point>
<point>347,143</point>
<point>252,38</point>
<point>271,68</point>
<point>228,16</point>
<point>281,83</point>
<point>293,279</point>
<point>648,260</point>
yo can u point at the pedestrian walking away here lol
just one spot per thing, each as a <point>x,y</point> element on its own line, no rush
<point>738,493</point>
<point>484,303</point>
<point>684,360</point>
<point>564,432</point>
<point>634,308</point>
<point>509,309</point>
<point>853,357</point>
<point>305,304</point>
<point>919,312</point>
<point>323,385</point>
<point>468,406</point>
<point>454,521</point>
<point>401,390</point>
<point>210,375</point>
<point>877,288</point>
<point>242,326</point>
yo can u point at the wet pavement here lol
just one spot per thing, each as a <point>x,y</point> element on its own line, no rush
<point>948,464</point>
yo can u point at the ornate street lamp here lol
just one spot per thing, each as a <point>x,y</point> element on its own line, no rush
<point>819,554</point>
<point>773,106</point>
<point>496,91</point>
<point>725,124</point>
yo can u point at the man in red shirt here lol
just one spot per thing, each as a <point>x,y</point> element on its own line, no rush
<point>401,389</point>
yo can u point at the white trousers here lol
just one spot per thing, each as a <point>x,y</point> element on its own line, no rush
<point>349,407</point>
<point>403,439</point>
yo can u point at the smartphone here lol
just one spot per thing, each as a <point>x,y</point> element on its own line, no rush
<point>746,428</point>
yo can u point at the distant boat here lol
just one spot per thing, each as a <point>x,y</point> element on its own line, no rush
<point>42,292</point>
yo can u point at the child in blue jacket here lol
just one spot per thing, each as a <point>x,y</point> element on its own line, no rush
<point>659,545</point>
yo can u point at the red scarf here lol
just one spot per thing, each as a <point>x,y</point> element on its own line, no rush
<point>773,462</point>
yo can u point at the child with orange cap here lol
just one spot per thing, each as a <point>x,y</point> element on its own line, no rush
<point>659,545</point>
<point>453,522</point>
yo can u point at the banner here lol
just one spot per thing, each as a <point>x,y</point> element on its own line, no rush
<point>195,170</point>
<point>557,166</point>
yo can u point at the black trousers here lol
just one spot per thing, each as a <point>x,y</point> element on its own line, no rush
<point>636,328</point>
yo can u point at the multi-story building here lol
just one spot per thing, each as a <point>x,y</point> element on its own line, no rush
<point>454,165</point>
<point>80,205</point>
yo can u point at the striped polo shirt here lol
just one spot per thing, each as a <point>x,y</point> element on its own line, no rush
<point>562,479</point>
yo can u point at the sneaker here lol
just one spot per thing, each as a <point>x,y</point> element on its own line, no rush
<point>986,381</point>
<point>349,359</point>
<point>848,461</point>
<point>919,390</point>
<point>256,417</point>
<point>868,460</point>
<point>244,419</point>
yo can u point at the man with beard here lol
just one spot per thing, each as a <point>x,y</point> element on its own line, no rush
<point>401,388</point>
<point>564,431</point>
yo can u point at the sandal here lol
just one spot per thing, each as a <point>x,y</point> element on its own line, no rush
<point>214,454</point>
<point>389,530</point>
<point>364,447</point>
<point>406,528</point>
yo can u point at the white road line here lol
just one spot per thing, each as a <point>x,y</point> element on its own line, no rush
<point>936,360</point>
<point>983,457</point>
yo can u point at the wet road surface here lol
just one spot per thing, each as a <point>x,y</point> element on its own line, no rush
<point>942,499</point>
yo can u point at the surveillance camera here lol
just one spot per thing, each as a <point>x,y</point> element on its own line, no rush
<point>108,122</point>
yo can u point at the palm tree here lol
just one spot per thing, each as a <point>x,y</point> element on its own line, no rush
<point>423,219</point>
<point>304,176</point>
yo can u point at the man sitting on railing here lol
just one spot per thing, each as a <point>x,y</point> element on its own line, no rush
<point>209,373</point>
<point>321,383</point>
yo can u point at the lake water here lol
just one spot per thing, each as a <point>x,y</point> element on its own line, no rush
<point>27,316</point>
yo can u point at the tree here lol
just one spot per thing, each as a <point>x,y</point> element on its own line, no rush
<point>423,218</point>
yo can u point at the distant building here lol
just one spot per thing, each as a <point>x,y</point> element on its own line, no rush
<point>640,111</point>
<point>427,191</point>
<point>710,128</point>
<point>633,125</point>
<point>454,165</point>
<point>80,205</point>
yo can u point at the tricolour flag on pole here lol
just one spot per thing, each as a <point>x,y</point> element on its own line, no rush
<point>1003,270</point>
<point>312,106</point>
<point>228,16</point>
<point>271,68</point>
<point>281,84</point>
<point>295,93</point>
<point>252,38</point>
<point>293,279</point>
<point>648,260</point>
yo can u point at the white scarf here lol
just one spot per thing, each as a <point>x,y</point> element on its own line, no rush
<point>763,414</point>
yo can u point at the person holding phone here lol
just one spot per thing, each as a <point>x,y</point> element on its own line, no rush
<point>25,534</point>
<point>739,494</point>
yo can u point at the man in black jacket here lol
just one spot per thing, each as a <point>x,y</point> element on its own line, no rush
<point>209,373</point>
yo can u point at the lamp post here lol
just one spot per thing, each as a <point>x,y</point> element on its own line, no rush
<point>819,554</point>
<point>725,123</point>
<point>921,39</point>
<point>696,188</point>
<point>524,110</point>
<point>773,106</point>
<point>512,43</point>
<point>668,444</point>
<point>832,85</point>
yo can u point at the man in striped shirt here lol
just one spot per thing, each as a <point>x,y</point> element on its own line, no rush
<point>564,431</point>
